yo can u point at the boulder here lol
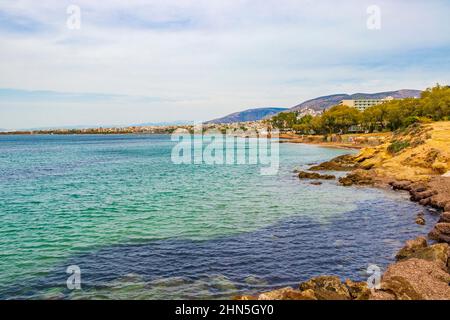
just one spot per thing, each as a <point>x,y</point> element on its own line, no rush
<point>440,232</point>
<point>315,175</point>
<point>411,246</point>
<point>327,288</point>
<point>356,178</point>
<point>425,202</point>
<point>341,163</point>
<point>420,220</point>
<point>401,185</point>
<point>416,279</point>
<point>358,290</point>
<point>381,295</point>
<point>437,253</point>
<point>287,293</point>
<point>445,217</point>
<point>421,195</point>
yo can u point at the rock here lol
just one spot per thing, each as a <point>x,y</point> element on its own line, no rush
<point>411,246</point>
<point>356,178</point>
<point>401,185</point>
<point>381,295</point>
<point>358,290</point>
<point>341,163</point>
<point>416,279</point>
<point>315,175</point>
<point>316,183</point>
<point>245,297</point>
<point>346,182</point>
<point>447,207</point>
<point>425,202</point>
<point>417,196</point>
<point>327,288</point>
<point>437,253</point>
<point>287,293</point>
<point>445,217</point>
<point>440,232</point>
<point>420,220</point>
<point>443,228</point>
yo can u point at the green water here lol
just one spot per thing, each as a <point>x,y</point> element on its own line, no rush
<point>62,196</point>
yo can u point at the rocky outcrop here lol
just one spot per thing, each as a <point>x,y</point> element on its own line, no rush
<point>315,175</point>
<point>445,217</point>
<point>357,177</point>
<point>414,279</point>
<point>411,246</point>
<point>435,193</point>
<point>318,288</point>
<point>440,232</point>
<point>327,288</point>
<point>420,219</point>
<point>342,163</point>
<point>286,293</point>
<point>418,248</point>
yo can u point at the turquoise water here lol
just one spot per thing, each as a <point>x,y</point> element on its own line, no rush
<point>140,226</point>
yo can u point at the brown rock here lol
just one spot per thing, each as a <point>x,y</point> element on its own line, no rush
<point>316,183</point>
<point>327,288</point>
<point>244,298</point>
<point>287,293</point>
<point>358,290</point>
<point>401,185</point>
<point>381,295</point>
<point>447,207</point>
<point>445,217</point>
<point>411,246</point>
<point>443,228</point>
<point>437,253</point>
<point>425,202</point>
<point>417,196</point>
<point>420,220</point>
<point>315,175</point>
<point>341,163</point>
<point>440,232</point>
<point>357,177</point>
<point>416,279</point>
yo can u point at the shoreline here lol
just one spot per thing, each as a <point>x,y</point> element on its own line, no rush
<point>421,270</point>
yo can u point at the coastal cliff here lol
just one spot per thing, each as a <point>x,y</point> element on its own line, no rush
<point>417,160</point>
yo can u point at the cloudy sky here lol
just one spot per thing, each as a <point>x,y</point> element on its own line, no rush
<point>164,60</point>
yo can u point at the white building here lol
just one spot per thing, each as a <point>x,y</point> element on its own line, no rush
<point>363,104</point>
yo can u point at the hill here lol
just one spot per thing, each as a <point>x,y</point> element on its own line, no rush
<point>322,103</point>
<point>248,115</point>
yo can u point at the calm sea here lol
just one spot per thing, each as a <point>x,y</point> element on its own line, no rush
<point>140,227</point>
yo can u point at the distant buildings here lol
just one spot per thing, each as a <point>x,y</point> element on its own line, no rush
<point>363,104</point>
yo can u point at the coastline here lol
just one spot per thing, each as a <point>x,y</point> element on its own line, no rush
<point>422,269</point>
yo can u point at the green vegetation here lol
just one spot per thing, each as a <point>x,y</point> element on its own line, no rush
<point>397,146</point>
<point>433,105</point>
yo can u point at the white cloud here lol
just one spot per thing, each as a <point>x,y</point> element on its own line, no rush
<point>207,58</point>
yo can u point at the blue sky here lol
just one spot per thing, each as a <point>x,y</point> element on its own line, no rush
<point>165,60</point>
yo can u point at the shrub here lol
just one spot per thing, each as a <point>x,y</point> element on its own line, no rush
<point>397,146</point>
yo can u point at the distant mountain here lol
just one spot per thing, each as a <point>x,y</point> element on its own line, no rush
<point>248,115</point>
<point>322,103</point>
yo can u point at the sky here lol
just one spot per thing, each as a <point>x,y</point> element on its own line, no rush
<point>141,61</point>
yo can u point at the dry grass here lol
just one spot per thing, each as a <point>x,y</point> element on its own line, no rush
<point>420,152</point>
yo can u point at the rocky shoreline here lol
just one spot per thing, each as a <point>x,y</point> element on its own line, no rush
<point>422,270</point>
